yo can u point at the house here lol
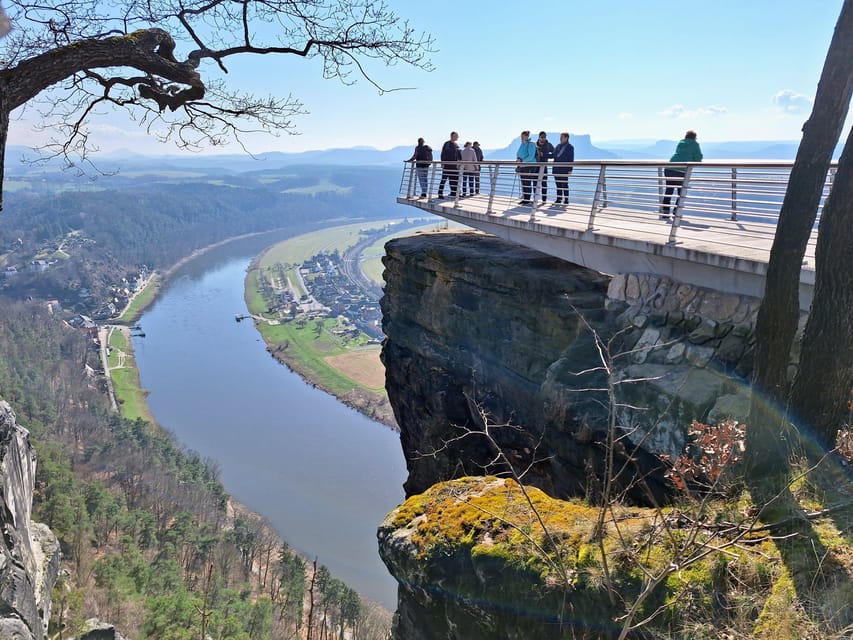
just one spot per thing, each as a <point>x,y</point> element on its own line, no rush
<point>105,311</point>
<point>10,271</point>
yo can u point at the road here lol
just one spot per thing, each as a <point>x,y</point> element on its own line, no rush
<point>352,269</point>
<point>104,338</point>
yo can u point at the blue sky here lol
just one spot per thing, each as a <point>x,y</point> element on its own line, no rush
<point>615,69</point>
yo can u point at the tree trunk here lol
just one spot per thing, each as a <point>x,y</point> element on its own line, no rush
<point>825,376</point>
<point>779,312</point>
<point>4,133</point>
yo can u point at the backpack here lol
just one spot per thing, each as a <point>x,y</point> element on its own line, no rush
<point>424,154</point>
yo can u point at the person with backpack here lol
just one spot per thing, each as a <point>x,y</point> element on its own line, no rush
<point>422,157</point>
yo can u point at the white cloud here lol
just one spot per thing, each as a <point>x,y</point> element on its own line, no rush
<point>672,112</point>
<point>790,102</point>
<point>681,112</point>
<point>626,116</point>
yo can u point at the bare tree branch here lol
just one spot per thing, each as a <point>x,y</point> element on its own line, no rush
<point>78,55</point>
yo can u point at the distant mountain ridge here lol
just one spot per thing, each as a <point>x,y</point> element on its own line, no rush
<point>585,149</point>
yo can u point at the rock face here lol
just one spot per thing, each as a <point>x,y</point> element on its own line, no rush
<point>29,551</point>
<point>491,360</point>
<point>480,329</point>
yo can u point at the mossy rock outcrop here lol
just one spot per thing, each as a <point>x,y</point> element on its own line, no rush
<point>474,561</point>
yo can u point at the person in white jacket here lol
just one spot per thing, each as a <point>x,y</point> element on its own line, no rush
<point>470,168</point>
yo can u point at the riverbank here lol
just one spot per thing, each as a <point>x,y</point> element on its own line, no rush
<point>157,331</point>
<point>123,375</point>
<point>147,294</point>
<point>360,386</point>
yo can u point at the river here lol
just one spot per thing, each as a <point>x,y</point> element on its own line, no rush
<point>323,474</point>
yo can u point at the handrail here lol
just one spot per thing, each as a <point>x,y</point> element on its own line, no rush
<point>732,190</point>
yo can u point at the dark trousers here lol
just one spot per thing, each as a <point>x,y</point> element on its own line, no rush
<point>468,183</point>
<point>449,173</point>
<point>543,185</point>
<point>674,180</point>
<point>528,178</point>
<point>562,181</point>
<point>477,182</point>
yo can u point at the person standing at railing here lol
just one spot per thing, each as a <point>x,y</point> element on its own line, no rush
<point>479,153</point>
<point>526,156</point>
<point>469,169</point>
<point>450,156</point>
<point>544,152</point>
<point>422,157</point>
<point>563,152</point>
<point>687,150</point>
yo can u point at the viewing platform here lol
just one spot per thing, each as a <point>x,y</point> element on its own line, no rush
<point>719,236</point>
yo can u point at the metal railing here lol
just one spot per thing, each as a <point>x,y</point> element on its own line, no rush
<point>726,191</point>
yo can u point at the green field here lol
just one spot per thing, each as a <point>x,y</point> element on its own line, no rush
<point>298,249</point>
<point>371,265</point>
<point>321,187</point>
<point>129,393</point>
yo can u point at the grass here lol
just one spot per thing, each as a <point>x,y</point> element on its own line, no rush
<point>140,301</point>
<point>372,265</point>
<point>324,186</point>
<point>128,390</point>
<point>309,348</point>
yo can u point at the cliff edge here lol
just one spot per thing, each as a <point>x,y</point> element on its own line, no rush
<point>29,551</point>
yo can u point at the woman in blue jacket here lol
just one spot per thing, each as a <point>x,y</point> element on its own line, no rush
<point>526,156</point>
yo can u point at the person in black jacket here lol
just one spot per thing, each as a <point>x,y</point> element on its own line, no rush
<point>479,153</point>
<point>564,152</point>
<point>422,157</point>
<point>450,156</point>
<point>544,151</point>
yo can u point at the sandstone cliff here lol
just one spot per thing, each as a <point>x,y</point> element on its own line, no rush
<point>29,552</point>
<point>484,334</point>
<point>477,326</point>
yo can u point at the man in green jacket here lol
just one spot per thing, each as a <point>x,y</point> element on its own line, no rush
<point>687,151</point>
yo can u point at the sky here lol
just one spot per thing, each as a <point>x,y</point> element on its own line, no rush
<point>618,70</point>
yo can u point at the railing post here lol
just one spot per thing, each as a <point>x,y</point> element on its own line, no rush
<point>458,185</point>
<point>493,181</point>
<point>409,191</point>
<point>596,200</point>
<point>679,205</point>
<point>734,194</point>
<point>537,188</point>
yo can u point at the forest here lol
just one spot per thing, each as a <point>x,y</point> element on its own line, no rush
<point>150,540</point>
